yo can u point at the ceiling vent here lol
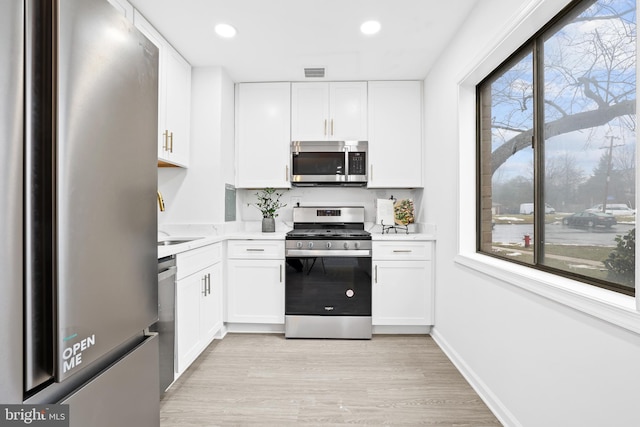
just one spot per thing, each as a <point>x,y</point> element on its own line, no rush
<point>314,72</point>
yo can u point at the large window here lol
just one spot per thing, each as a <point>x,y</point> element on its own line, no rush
<point>556,148</point>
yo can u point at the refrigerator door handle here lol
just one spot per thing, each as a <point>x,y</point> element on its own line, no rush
<point>40,328</point>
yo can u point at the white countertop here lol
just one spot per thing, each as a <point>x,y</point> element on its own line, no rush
<point>197,242</point>
<point>418,232</point>
<point>403,236</point>
<point>200,241</point>
<point>204,235</point>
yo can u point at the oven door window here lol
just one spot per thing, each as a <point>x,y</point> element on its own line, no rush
<point>318,163</point>
<point>328,286</point>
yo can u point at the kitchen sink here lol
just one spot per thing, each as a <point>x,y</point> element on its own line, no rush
<point>176,241</point>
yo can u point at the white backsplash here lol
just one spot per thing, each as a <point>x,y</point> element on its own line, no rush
<point>325,196</point>
<point>248,218</point>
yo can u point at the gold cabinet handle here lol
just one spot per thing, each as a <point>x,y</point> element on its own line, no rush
<point>371,172</point>
<point>402,250</point>
<point>325,127</point>
<point>204,285</point>
<point>280,273</point>
<point>286,173</point>
<point>171,146</point>
<point>376,274</point>
<point>331,127</point>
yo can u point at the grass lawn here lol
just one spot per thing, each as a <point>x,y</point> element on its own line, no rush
<point>594,253</point>
<point>585,260</point>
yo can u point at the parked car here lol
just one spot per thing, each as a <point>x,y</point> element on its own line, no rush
<point>616,209</point>
<point>527,209</point>
<point>590,219</point>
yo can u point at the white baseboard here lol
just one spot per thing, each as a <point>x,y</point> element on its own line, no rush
<point>490,399</point>
<point>221,332</point>
<point>258,328</point>
<point>401,330</point>
<point>254,328</point>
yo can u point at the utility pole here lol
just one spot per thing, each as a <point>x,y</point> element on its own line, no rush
<point>606,183</point>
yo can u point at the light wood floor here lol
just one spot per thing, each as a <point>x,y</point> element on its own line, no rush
<point>267,380</point>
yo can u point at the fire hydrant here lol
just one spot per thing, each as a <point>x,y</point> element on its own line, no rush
<point>527,240</point>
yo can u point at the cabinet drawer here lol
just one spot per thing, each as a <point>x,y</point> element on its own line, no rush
<point>401,250</point>
<point>192,261</point>
<point>255,249</point>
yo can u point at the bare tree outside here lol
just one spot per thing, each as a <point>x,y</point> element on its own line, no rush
<point>563,177</point>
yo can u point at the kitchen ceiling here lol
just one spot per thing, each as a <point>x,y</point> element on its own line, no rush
<point>277,39</point>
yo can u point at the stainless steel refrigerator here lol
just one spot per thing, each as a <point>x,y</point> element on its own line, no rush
<point>78,179</point>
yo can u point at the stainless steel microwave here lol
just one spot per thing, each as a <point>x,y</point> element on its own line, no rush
<point>329,163</point>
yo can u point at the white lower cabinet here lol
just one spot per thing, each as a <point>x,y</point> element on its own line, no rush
<point>188,296</point>
<point>402,283</point>
<point>255,281</point>
<point>199,302</point>
<point>211,305</point>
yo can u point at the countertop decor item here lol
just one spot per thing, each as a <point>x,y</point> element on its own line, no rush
<point>404,212</point>
<point>268,204</point>
<point>384,211</point>
<point>403,215</point>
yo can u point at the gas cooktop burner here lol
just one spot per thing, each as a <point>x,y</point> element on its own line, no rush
<point>325,223</point>
<point>328,233</point>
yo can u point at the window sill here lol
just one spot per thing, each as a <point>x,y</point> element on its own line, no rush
<point>609,306</point>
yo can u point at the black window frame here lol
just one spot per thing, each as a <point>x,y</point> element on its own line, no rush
<point>534,45</point>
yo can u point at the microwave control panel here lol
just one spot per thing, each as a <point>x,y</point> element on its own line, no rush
<point>357,163</point>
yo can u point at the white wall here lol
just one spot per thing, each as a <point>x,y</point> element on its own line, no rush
<point>196,195</point>
<point>536,362</point>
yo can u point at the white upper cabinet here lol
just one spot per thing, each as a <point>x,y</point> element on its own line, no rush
<point>174,99</point>
<point>309,111</point>
<point>176,129</point>
<point>334,111</point>
<point>395,134</point>
<point>348,111</point>
<point>263,130</point>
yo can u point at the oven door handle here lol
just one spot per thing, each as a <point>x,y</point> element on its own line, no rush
<point>329,253</point>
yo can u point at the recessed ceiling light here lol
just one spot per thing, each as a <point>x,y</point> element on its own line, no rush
<point>370,27</point>
<point>225,30</point>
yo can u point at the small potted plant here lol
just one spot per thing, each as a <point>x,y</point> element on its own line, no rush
<point>269,203</point>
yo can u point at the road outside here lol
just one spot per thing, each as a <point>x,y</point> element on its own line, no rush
<point>557,233</point>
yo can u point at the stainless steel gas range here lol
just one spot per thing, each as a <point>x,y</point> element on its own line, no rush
<point>328,280</point>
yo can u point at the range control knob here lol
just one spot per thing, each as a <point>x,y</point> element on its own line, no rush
<point>299,245</point>
<point>346,245</point>
<point>310,245</point>
<point>328,245</point>
<point>357,245</point>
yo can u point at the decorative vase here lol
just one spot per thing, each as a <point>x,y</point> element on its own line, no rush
<point>268,225</point>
